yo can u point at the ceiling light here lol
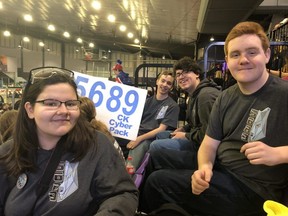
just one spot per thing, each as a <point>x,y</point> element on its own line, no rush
<point>111,18</point>
<point>6,33</point>
<point>51,27</point>
<point>79,40</point>
<point>136,41</point>
<point>48,49</point>
<point>96,5</point>
<point>91,45</point>
<point>130,35</point>
<point>41,44</point>
<point>163,57</point>
<point>122,28</point>
<point>26,39</point>
<point>212,38</point>
<point>66,34</point>
<point>28,18</point>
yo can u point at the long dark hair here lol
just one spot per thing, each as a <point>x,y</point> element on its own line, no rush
<point>22,156</point>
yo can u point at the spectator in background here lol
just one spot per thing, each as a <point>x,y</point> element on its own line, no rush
<point>121,76</point>
<point>87,173</point>
<point>7,123</point>
<point>88,110</point>
<point>17,104</point>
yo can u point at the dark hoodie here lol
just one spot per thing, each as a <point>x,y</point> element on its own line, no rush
<point>198,110</point>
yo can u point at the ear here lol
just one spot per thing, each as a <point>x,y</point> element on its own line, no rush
<point>268,54</point>
<point>29,110</point>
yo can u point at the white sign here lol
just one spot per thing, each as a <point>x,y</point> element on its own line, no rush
<point>118,106</point>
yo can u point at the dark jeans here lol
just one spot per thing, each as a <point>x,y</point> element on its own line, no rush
<point>169,182</point>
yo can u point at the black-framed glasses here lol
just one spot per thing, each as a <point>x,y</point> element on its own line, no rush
<point>178,74</point>
<point>47,72</point>
<point>54,104</point>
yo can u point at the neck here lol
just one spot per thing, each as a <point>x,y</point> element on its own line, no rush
<point>161,96</point>
<point>250,88</point>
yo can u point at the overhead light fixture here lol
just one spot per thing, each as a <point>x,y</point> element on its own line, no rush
<point>6,33</point>
<point>26,39</point>
<point>66,34</point>
<point>79,40</point>
<point>41,44</point>
<point>136,41</point>
<point>51,27</point>
<point>96,5</point>
<point>122,28</point>
<point>28,18</point>
<point>212,38</point>
<point>163,57</point>
<point>91,45</point>
<point>111,18</point>
<point>130,35</point>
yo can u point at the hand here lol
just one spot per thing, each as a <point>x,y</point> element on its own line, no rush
<point>200,180</point>
<point>180,129</point>
<point>132,144</point>
<point>178,135</point>
<point>260,153</point>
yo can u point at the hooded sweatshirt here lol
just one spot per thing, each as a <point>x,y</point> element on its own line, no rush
<point>198,110</point>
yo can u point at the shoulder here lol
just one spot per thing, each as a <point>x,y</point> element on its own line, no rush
<point>171,101</point>
<point>101,144</point>
<point>278,82</point>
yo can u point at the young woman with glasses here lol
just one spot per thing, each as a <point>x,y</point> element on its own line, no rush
<point>57,163</point>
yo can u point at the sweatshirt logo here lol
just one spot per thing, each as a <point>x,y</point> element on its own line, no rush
<point>65,181</point>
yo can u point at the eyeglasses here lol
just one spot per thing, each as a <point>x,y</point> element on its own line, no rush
<point>181,73</point>
<point>53,104</point>
<point>47,72</point>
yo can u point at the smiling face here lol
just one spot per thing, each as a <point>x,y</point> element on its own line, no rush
<point>187,81</point>
<point>164,84</point>
<point>247,61</point>
<point>52,124</point>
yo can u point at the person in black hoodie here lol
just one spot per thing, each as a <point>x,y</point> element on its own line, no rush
<point>202,94</point>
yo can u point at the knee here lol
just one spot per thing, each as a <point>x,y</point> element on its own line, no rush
<point>153,181</point>
<point>156,144</point>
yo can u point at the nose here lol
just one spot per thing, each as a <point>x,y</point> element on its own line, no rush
<point>62,107</point>
<point>243,59</point>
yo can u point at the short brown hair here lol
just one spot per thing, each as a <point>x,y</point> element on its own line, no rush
<point>166,73</point>
<point>248,27</point>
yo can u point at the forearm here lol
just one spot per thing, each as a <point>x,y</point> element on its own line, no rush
<point>152,134</point>
<point>282,154</point>
<point>121,205</point>
<point>207,152</point>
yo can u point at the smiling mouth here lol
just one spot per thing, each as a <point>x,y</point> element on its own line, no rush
<point>61,120</point>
